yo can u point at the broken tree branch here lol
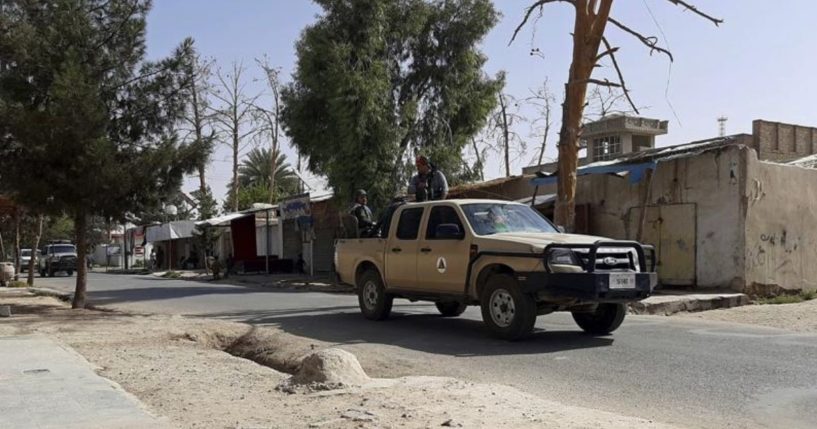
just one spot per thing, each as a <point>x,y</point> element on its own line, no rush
<point>618,71</point>
<point>539,4</point>
<point>695,10</point>
<point>648,41</point>
<point>598,82</point>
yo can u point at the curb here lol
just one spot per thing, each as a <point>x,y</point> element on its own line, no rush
<point>671,304</point>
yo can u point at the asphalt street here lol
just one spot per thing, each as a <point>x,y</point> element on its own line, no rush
<point>669,369</point>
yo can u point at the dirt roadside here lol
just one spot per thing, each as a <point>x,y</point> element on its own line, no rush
<point>179,368</point>
<point>801,317</point>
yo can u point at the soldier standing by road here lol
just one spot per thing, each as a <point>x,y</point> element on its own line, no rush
<point>429,184</point>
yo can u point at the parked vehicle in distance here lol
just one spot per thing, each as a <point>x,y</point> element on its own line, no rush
<point>503,256</point>
<point>57,256</point>
<point>25,259</point>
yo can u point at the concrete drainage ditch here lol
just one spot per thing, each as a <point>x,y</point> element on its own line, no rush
<point>310,368</point>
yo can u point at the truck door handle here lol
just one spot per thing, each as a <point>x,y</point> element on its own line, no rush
<point>425,250</point>
<point>396,250</point>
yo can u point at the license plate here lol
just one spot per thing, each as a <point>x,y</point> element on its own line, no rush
<point>622,281</point>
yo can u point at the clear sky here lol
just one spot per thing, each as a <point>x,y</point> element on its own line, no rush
<point>759,64</point>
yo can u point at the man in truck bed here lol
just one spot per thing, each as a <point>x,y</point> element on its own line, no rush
<point>503,256</point>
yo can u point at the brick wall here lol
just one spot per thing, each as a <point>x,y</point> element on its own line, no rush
<point>776,141</point>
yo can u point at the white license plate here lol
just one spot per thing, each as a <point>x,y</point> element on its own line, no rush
<point>622,281</point>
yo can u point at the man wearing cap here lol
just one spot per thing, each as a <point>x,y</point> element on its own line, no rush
<point>429,184</point>
<point>362,212</point>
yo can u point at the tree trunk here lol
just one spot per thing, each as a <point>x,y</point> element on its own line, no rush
<point>202,179</point>
<point>32,262</point>
<point>16,244</point>
<point>80,225</point>
<point>505,135</point>
<point>587,34</point>
<point>479,160</point>
<point>235,168</point>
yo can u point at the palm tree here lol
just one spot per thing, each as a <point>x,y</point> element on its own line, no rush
<point>255,170</point>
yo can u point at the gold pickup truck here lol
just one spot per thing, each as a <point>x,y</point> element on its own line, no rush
<point>503,256</point>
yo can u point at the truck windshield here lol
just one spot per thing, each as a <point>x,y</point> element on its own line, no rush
<point>496,218</point>
<point>65,248</point>
<point>25,252</point>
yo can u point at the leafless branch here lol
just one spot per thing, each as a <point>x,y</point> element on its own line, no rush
<point>695,10</point>
<point>598,82</point>
<point>649,41</point>
<point>606,53</point>
<point>618,71</point>
<point>529,11</point>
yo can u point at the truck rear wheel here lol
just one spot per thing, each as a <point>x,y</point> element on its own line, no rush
<point>507,312</point>
<point>451,308</point>
<point>375,303</point>
<point>606,319</point>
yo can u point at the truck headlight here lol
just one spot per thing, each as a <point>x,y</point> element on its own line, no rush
<point>564,261</point>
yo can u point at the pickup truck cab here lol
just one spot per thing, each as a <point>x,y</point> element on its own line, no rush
<point>503,256</point>
<point>57,256</point>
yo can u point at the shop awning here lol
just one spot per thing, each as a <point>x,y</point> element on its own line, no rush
<point>170,231</point>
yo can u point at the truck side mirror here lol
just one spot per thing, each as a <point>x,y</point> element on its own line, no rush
<point>561,229</point>
<point>448,231</point>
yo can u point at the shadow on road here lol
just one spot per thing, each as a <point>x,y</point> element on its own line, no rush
<point>428,333</point>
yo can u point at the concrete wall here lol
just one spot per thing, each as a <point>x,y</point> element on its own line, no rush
<point>713,182</point>
<point>776,141</point>
<point>781,238</point>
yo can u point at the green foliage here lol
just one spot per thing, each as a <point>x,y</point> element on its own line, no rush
<point>255,170</point>
<point>377,81</point>
<point>801,296</point>
<point>249,195</point>
<point>87,122</point>
<point>205,238</point>
<point>17,283</point>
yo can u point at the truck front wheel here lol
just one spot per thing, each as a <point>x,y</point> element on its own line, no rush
<point>375,303</point>
<point>507,312</point>
<point>606,319</point>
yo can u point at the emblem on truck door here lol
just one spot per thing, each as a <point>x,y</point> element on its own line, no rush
<point>441,265</point>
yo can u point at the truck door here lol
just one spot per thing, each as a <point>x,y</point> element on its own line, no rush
<point>442,261</point>
<point>401,250</point>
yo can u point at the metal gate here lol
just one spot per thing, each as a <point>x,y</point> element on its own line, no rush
<point>672,229</point>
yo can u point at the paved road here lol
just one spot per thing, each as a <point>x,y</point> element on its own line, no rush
<point>674,370</point>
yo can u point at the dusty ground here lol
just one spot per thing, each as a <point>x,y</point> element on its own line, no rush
<point>794,317</point>
<point>176,366</point>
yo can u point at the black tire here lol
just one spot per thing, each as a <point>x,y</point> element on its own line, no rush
<point>451,308</point>
<point>70,273</point>
<point>606,319</point>
<point>42,273</point>
<point>375,303</point>
<point>506,311</point>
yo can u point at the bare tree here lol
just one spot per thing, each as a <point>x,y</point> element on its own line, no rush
<point>502,127</point>
<point>198,120</point>
<point>271,120</point>
<point>542,100</point>
<point>234,116</point>
<point>591,19</point>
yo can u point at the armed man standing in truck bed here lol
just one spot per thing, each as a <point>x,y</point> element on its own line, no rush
<point>429,184</point>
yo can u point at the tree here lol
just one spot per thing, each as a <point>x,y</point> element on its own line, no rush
<point>88,123</point>
<point>271,118</point>
<point>378,81</point>
<point>255,172</point>
<point>198,118</point>
<point>502,129</point>
<point>260,166</point>
<point>235,115</point>
<point>542,100</point>
<point>590,23</point>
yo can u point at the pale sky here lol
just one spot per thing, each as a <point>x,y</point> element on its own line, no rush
<point>759,64</point>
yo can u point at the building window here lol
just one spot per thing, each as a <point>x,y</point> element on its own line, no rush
<point>608,147</point>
